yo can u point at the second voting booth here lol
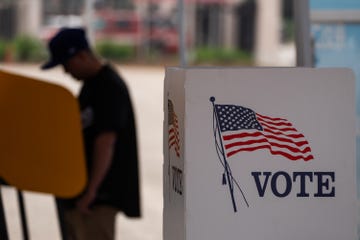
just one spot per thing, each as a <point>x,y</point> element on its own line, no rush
<point>259,153</point>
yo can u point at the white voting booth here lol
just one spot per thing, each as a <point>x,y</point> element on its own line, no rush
<point>259,153</point>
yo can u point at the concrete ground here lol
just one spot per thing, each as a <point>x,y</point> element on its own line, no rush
<point>146,87</point>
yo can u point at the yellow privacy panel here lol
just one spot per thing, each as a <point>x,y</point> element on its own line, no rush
<point>41,145</point>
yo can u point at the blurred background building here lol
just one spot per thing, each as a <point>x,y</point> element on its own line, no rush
<point>241,32</point>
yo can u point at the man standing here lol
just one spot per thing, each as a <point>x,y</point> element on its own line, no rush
<point>109,138</point>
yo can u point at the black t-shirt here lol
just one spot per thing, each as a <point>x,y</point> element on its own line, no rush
<point>106,106</point>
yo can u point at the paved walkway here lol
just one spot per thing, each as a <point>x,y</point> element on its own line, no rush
<point>146,88</point>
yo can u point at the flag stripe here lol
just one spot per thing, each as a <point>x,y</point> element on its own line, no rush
<point>292,140</point>
<point>282,153</point>
<point>264,140</point>
<point>270,118</point>
<point>267,141</point>
<point>277,128</point>
<point>274,123</point>
<point>291,149</point>
<point>293,135</point>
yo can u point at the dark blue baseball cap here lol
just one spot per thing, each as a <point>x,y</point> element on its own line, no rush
<point>64,45</point>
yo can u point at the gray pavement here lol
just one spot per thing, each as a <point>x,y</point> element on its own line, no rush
<point>146,87</point>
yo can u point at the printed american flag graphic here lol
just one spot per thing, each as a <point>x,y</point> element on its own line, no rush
<point>174,139</point>
<point>242,129</point>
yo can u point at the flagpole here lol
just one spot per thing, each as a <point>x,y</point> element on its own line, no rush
<point>226,165</point>
<point>181,31</point>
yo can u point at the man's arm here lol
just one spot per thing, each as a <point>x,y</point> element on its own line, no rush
<point>103,153</point>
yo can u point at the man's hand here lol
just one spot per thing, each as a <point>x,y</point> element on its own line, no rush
<point>83,204</point>
<point>103,152</point>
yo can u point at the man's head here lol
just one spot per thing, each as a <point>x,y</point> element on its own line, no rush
<point>70,48</point>
<point>64,45</point>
